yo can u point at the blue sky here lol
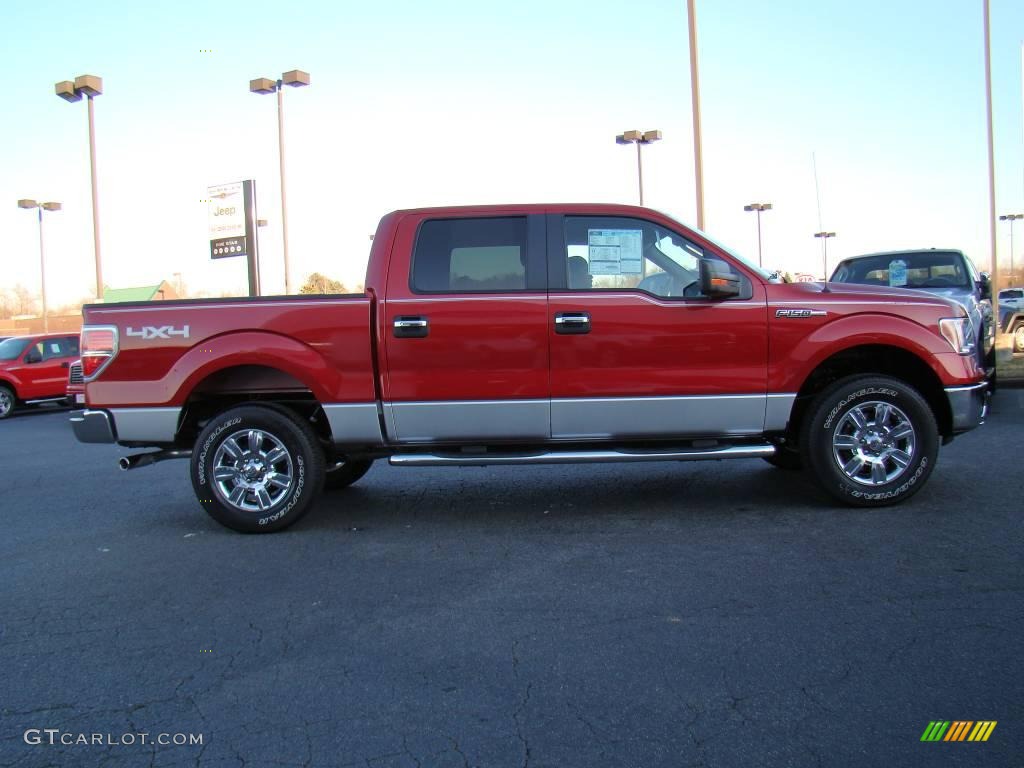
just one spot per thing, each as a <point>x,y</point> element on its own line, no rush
<point>477,102</point>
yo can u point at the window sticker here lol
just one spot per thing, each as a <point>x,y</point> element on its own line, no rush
<point>615,251</point>
<point>897,273</point>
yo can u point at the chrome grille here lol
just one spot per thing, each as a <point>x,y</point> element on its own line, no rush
<point>75,373</point>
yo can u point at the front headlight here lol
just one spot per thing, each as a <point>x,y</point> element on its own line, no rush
<point>959,333</point>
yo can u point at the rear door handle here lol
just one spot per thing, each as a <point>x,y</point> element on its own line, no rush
<point>411,327</point>
<point>572,322</point>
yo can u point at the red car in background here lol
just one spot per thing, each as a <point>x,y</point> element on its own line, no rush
<point>34,369</point>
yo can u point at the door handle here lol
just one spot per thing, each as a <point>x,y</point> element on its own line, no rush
<point>65,365</point>
<point>410,327</point>
<point>572,322</point>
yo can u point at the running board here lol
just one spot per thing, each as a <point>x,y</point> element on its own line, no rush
<point>753,451</point>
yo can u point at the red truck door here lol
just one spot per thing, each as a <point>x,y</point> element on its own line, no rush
<point>44,368</point>
<point>636,351</point>
<point>464,329</point>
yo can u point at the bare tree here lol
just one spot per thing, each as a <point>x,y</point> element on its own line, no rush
<point>24,302</point>
<point>317,283</point>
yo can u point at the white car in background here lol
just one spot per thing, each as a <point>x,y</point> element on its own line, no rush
<point>1012,298</point>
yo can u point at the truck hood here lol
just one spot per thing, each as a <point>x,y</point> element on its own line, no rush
<point>857,292</point>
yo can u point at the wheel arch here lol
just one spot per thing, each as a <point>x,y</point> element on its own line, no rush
<point>868,360</point>
<point>230,386</point>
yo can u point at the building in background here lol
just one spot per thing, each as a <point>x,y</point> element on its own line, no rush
<point>164,291</point>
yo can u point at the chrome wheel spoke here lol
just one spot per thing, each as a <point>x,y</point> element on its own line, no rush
<point>900,458</point>
<point>237,495</point>
<point>232,448</point>
<point>857,417</point>
<point>878,473</point>
<point>225,473</point>
<point>846,442</point>
<point>882,413</point>
<point>854,465</point>
<point>901,432</point>
<point>255,440</point>
<point>282,482</point>
<point>276,455</point>
<point>263,498</point>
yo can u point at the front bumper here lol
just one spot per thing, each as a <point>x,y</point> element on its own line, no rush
<point>93,427</point>
<point>968,406</point>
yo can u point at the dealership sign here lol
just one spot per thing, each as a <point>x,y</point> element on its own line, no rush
<point>232,220</point>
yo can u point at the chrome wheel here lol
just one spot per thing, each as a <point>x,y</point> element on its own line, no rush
<point>6,402</point>
<point>1018,338</point>
<point>874,443</point>
<point>252,470</point>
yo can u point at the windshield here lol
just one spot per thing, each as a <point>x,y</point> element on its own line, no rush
<point>11,348</point>
<point>930,269</point>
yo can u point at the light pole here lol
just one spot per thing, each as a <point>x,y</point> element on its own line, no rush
<point>639,138</point>
<point>824,249</point>
<point>29,205</point>
<point>262,85</point>
<point>698,157</point>
<point>1011,217</point>
<point>70,91</point>
<point>759,207</point>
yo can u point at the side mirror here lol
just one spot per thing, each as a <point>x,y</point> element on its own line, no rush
<point>717,281</point>
<point>33,357</point>
<point>985,286</point>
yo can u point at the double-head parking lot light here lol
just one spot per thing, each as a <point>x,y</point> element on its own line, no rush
<point>639,138</point>
<point>71,91</point>
<point>296,78</point>
<point>29,204</point>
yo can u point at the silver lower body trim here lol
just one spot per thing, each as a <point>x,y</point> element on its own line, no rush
<point>777,410</point>
<point>354,423</point>
<point>758,450</point>
<point>92,426</point>
<point>145,425</point>
<point>478,420</point>
<point>968,405</point>
<point>603,418</point>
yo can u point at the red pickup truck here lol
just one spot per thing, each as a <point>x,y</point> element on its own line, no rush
<point>531,334</point>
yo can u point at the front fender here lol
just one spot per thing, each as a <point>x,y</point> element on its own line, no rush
<point>795,365</point>
<point>13,382</point>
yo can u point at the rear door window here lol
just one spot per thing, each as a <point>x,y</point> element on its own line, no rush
<point>473,255</point>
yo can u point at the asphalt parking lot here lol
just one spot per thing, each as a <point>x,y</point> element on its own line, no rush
<point>715,614</point>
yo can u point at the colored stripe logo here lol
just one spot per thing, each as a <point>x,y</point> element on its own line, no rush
<point>958,730</point>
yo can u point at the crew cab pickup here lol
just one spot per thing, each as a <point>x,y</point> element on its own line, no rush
<point>531,334</point>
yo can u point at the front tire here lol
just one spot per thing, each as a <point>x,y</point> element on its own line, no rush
<point>870,441</point>
<point>7,401</point>
<point>257,469</point>
<point>1018,336</point>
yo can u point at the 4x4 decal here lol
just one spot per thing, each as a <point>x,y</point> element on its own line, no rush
<point>148,332</point>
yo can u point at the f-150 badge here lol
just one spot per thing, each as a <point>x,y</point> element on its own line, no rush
<point>148,332</point>
<point>800,312</point>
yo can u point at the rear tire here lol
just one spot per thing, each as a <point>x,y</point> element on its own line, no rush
<point>870,441</point>
<point>257,469</point>
<point>1018,336</point>
<point>7,401</point>
<point>346,473</point>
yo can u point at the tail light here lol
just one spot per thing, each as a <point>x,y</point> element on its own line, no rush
<point>98,348</point>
